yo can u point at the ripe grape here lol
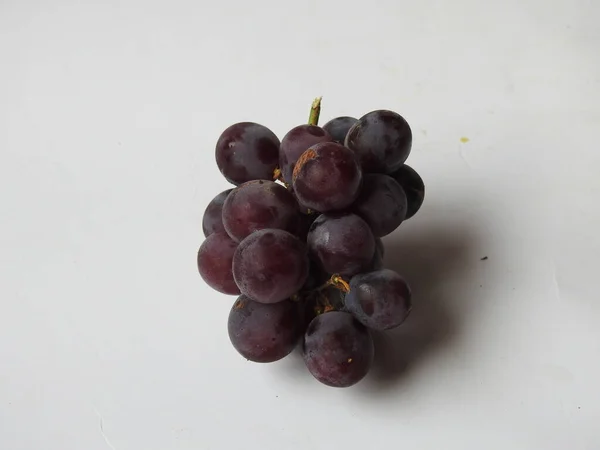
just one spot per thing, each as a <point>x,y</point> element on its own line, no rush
<point>343,243</point>
<point>327,177</point>
<point>296,142</point>
<point>338,128</point>
<point>381,203</point>
<point>380,300</point>
<point>212,221</point>
<point>259,204</point>
<point>381,140</point>
<point>320,301</point>
<point>247,151</point>
<point>264,333</point>
<point>413,187</point>
<point>338,351</point>
<point>270,265</point>
<point>214,262</point>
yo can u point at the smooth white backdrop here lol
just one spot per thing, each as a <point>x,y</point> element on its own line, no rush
<point>109,113</point>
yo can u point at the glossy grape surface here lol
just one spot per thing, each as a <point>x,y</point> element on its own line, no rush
<point>338,351</point>
<point>342,243</point>
<point>247,151</point>
<point>380,300</point>
<point>270,265</point>
<point>264,332</point>
<point>381,203</point>
<point>257,205</point>
<point>413,187</point>
<point>338,128</point>
<point>381,140</point>
<point>296,142</point>
<point>327,177</point>
<point>212,221</point>
<point>215,262</point>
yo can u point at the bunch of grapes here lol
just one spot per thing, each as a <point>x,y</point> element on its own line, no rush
<point>298,239</point>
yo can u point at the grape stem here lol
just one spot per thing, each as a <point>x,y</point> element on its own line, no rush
<point>278,176</point>
<point>337,282</point>
<point>315,111</point>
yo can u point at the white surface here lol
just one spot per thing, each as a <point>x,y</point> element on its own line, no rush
<point>109,112</point>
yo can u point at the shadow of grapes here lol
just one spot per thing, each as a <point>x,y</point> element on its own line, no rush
<point>438,262</point>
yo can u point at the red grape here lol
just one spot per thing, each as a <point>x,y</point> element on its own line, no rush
<point>296,142</point>
<point>381,140</point>
<point>212,221</point>
<point>327,177</point>
<point>264,332</point>
<point>257,205</point>
<point>338,351</point>
<point>247,151</point>
<point>338,128</point>
<point>413,186</point>
<point>270,265</point>
<point>215,262</point>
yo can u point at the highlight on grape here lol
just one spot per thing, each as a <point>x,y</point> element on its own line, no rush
<point>298,239</point>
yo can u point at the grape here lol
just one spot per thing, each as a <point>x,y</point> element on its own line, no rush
<point>259,204</point>
<point>327,177</point>
<point>264,333</point>
<point>381,140</point>
<point>413,187</point>
<point>270,265</point>
<point>380,300</point>
<point>316,276</point>
<point>343,243</point>
<point>214,262</point>
<point>337,349</point>
<point>247,151</point>
<point>212,221</point>
<point>381,203</point>
<point>379,245</point>
<point>338,128</point>
<point>296,142</point>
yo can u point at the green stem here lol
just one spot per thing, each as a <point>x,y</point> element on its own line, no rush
<point>315,110</point>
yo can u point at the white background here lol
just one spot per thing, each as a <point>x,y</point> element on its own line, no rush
<point>109,113</point>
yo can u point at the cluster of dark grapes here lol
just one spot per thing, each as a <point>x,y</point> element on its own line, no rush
<point>299,238</point>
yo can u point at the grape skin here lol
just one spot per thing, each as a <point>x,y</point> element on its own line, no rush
<point>381,140</point>
<point>247,151</point>
<point>377,262</point>
<point>212,220</point>
<point>327,177</point>
<point>381,203</point>
<point>296,142</point>
<point>342,243</point>
<point>380,300</point>
<point>264,332</point>
<point>338,351</point>
<point>413,186</point>
<point>338,128</point>
<point>259,204</point>
<point>215,262</point>
<point>270,265</point>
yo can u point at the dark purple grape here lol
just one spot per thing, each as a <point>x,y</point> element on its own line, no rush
<point>264,333</point>
<point>381,203</point>
<point>342,243</point>
<point>247,151</point>
<point>327,177</point>
<point>270,265</point>
<point>338,128</point>
<point>338,351</point>
<point>296,142</point>
<point>215,261</point>
<point>381,140</point>
<point>257,205</point>
<point>380,300</point>
<point>212,221</point>
<point>413,187</point>
<point>316,276</point>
